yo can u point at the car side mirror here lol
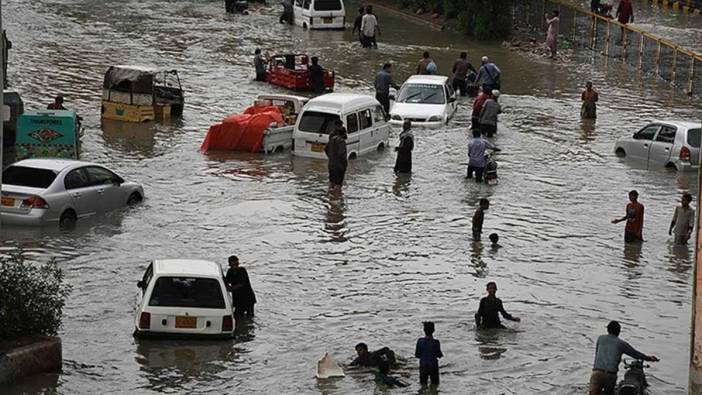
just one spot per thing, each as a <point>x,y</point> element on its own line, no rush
<point>118,181</point>
<point>141,284</point>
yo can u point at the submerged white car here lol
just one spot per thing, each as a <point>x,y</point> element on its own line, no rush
<point>183,298</point>
<point>426,100</point>
<point>61,191</point>
<point>671,144</point>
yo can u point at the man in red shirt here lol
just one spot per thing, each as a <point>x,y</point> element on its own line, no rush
<point>633,231</point>
<point>625,12</point>
<point>478,106</point>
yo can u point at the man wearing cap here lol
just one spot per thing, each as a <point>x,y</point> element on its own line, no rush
<point>488,74</point>
<point>608,355</point>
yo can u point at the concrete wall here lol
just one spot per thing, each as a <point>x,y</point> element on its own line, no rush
<point>40,356</point>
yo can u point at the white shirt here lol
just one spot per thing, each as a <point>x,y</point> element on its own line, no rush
<point>368,25</point>
<point>684,220</point>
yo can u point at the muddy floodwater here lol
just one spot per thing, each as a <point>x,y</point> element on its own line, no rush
<point>392,252</point>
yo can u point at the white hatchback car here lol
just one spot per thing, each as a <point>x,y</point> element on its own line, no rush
<point>670,144</point>
<point>183,298</point>
<point>40,191</point>
<point>426,100</point>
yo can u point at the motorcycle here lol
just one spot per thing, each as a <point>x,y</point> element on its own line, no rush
<point>634,382</point>
<point>490,174</point>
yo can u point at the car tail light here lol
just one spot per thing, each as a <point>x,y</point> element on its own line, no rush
<point>35,202</point>
<point>227,323</point>
<point>145,321</point>
<point>685,154</point>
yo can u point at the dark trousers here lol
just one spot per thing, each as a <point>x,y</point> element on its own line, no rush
<point>431,373</point>
<point>488,130</point>
<point>286,17</point>
<point>384,99</point>
<point>241,310</point>
<point>261,77</point>
<point>459,86</point>
<point>474,124</point>
<point>478,173</point>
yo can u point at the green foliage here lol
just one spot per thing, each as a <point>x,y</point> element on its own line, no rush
<point>31,297</point>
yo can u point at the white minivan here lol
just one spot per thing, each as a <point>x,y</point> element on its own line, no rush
<point>363,117</point>
<point>183,298</point>
<point>320,14</point>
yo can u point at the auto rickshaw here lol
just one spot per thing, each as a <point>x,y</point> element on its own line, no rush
<point>138,94</point>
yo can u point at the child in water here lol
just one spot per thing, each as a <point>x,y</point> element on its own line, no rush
<point>494,238</point>
<point>428,351</point>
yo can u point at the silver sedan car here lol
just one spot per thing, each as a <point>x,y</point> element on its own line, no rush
<point>40,191</point>
<point>671,144</point>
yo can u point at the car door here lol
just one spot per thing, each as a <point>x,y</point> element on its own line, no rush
<point>107,185</point>
<point>381,129</point>
<point>640,145</point>
<point>366,132</point>
<point>83,195</point>
<point>143,284</point>
<point>450,100</point>
<point>353,142</point>
<point>662,146</point>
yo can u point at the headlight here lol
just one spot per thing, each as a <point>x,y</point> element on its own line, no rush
<point>396,118</point>
<point>434,118</point>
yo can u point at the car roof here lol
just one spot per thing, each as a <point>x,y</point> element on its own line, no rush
<point>341,101</point>
<point>55,164</point>
<point>427,79</point>
<point>187,267</point>
<point>680,124</point>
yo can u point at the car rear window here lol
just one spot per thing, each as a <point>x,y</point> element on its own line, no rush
<point>317,122</point>
<point>28,177</point>
<point>693,137</point>
<point>187,292</point>
<point>327,5</point>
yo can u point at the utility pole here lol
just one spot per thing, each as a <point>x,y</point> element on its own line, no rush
<point>2,103</point>
<point>695,381</point>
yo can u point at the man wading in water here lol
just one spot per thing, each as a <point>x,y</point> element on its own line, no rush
<point>633,231</point>
<point>683,220</point>
<point>237,280</point>
<point>403,164</point>
<point>338,157</point>
<point>589,98</point>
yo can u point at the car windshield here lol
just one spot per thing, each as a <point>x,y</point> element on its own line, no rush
<point>317,122</point>
<point>187,292</point>
<point>28,177</point>
<point>421,94</point>
<point>693,137</point>
<point>327,5</point>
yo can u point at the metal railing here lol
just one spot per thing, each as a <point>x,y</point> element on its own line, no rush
<point>641,50</point>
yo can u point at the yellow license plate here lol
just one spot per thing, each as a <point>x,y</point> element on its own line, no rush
<point>184,321</point>
<point>8,202</point>
<point>328,20</point>
<point>317,147</point>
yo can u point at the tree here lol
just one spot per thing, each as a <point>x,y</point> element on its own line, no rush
<point>32,297</point>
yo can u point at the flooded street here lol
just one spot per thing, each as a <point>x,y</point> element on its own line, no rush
<point>391,253</point>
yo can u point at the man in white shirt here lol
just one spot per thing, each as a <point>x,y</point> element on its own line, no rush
<point>369,28</point>
<point>683,220</point>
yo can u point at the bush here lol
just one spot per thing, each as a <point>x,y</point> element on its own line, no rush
<point>31,297</point>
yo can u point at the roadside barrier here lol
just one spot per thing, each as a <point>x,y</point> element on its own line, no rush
<point>641,50</point>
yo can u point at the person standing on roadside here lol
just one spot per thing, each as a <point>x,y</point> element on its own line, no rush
<point>460,73</point>
<point>488,74</point>
<point>370,28</point>
<point>337,155</point>
<point>608,354</point>
<point>683,222</point>
<point>552,34</point>
<point>260,65</point>
<point>589,98</point>
<point>383,83</point>
<point>423,63</point>
<point>403,164</point>
<point>357,26</point>
<point>633,231</point>
<point>478,107</point>
<point>488,115</point>
<point>428,351</point>
<point>316,76</point>
<point>237,280</point>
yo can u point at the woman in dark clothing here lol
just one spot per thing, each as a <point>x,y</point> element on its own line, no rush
<point>316,76</point>
<point>237,280</point>
<point>403,164</point>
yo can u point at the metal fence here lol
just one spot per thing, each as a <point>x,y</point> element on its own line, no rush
<point>643,51</point>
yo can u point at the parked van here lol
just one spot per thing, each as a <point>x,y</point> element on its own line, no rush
<point>362,116</point>
<point>319,14</point>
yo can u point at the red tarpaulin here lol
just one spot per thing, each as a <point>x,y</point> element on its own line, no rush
<point>242,132</point>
